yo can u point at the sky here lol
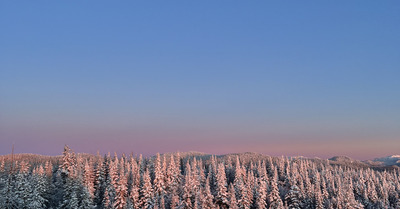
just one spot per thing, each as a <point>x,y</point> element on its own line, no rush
<point>309,78</point>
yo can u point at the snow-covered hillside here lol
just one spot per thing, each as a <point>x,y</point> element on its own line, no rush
<point>390,160</point>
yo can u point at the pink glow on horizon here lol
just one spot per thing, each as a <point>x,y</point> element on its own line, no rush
<point>151,143</point>
<point>50,139</point>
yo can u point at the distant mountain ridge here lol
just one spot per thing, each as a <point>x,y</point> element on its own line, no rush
<point>389,160</point>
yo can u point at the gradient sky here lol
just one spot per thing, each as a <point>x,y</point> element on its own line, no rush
<point>311,78</point>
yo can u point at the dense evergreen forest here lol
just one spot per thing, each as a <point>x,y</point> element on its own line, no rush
<point>192,180</point>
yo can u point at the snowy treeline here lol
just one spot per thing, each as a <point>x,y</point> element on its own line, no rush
<point>193,181</point>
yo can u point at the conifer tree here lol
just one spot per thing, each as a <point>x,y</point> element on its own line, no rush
<point>162,202</point>
<point>275,201</point>
<point>86,201</point>
<point>292,198</point>
<point>88,179</point>
<point>172,182</point>
<point>232,198</point>
<point>187,188</point>
<point>261,194</point>
<point>68,162</point>
<point>121,192</point>
<point>2,165</point>
<point>242,193</point>
<point>221,198</point>
<point>319,202</point>
<point>133,200</point>
<point>159,185</point>
<point>174,201</point>
<point>248,197</point>
<point>23,167</point>
<point>146,192</point>
<point>106,203</point>
<point>101,181</point>
<point>207,198</point>
<point>37,191</point>
<point>70,199</point>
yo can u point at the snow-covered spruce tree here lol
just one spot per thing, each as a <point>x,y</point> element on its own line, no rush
<point>195,179</point>
<point>37,198</point>
<point>162,202</point>
<point>174,201</point>
<point>187,188</point>
<point>319,201</point>
<point>113,179</point>
<point>207,197</point>
<point>212,173</point>
<point>309,191</point>
<point>55,192</point>
<point>292,198</point>
<point>159,184</point>
<point>173,176</point>
<point>221,198</point>
<point>262,172</point>
<point>106,203</point>
<point>245,197</point>
<point>146,192</point>
<point>121,192</point>
<point>196,203</point>
<point>88,178</point>
<point>2,165</point>
<point>324,190</point>
<point>48,169</point>
<point>39,170</point>
<point>338,200</point>
<point>76,195</point>
<point>134,168</point>
<point>261,194</point>
<point>275,201</point>
<point>101,176</point>
<point>250,189</point>
<point>136,175</point>
<point>86,201</point>
<point>349,199</point>
<point>201,173</point>
<point>68,166</point>
<point>240,187</point>
<point>8,196</point>
<point>133,199</point>
<point>232,198</point>
<point>238,181</point>
<point>24,167</point>
<point>70,199</point>
<point>23,190</point>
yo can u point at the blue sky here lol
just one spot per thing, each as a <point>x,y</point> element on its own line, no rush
<point>281,77</point>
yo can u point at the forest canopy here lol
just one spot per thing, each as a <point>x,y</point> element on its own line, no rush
<point>192,180</point>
